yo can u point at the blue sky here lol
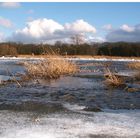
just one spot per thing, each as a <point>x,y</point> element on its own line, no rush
<point>104,17</point>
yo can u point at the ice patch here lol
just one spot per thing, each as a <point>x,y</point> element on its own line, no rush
<point>102,124</point>
<point>75,59</point>
<point>74,107</point>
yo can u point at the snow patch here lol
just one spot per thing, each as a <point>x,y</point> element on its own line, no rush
<point>75,59</point>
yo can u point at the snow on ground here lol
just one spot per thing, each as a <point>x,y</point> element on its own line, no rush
<point>123,123</point>
<point>105,59</point>
<point>75,59</point>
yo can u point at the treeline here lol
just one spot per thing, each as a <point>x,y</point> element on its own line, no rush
<point>120,49</point>
<point>110,49</point>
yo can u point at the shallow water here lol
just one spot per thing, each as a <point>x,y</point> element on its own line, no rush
<point>72,106</point>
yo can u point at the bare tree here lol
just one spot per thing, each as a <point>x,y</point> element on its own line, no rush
<point>78,39</point>
<point>58,43</point>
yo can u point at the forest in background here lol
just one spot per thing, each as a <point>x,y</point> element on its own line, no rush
<point>106,48</point>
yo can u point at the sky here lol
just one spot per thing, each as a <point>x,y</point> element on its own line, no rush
<point>36,22</point>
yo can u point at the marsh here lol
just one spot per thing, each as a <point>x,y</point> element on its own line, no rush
<point>80,105</point>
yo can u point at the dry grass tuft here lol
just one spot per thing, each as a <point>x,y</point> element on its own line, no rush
<point>137,76</point>
<point>113,80</point>
<point>51,68</point>
<point>134,65</point>
<point>132,89</point>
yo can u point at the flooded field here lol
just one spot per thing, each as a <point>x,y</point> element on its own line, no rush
<point>71,106</point>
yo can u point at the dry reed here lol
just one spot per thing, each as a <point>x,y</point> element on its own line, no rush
<point>134,65</point>
<point>51,68</point>
<point>113,80</point>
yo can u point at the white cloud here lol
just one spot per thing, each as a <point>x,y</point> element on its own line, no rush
<point>37,30</point>
<point>10,4</point>
<point>96,39</point>
<point>107,27</point>
<point>5,22</point>
<point>127,28</point>
<point>43,30</point>
<point>79,26</point>
<point>125,33</point>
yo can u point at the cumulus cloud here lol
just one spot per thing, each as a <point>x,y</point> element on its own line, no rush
<point>10,4</point>
<point>127,28</point>
<point>37,30</point>
<point>125,33</point>
<point>107,27</point>
<point>5,22</point>
<point>79,26</point>
<point>42,30</point>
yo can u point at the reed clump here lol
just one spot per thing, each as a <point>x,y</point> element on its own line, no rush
<point>51,68</point>
<point>113,80</point>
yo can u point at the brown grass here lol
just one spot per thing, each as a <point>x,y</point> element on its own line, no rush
<point>137,76</point>
<point>51,68</point>
<point>134,65</point>
<point>113,80</point>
